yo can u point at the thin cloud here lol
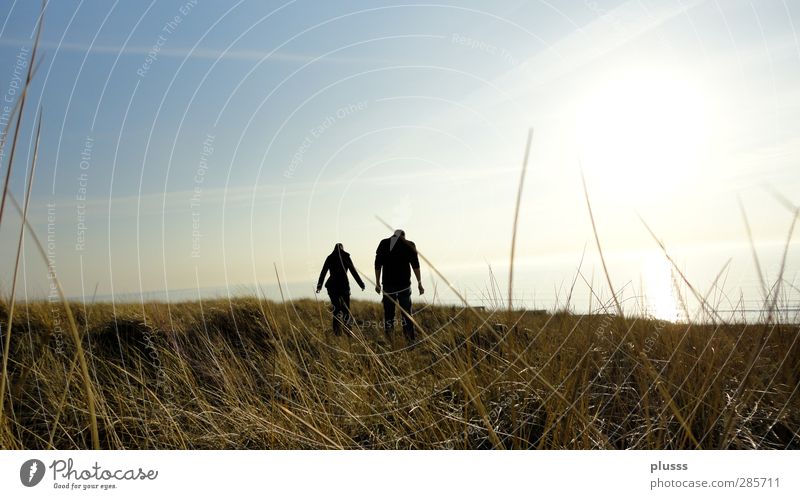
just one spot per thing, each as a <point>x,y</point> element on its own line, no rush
<point>182,52</point>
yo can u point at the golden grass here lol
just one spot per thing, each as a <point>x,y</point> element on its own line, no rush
<point>182,377</point>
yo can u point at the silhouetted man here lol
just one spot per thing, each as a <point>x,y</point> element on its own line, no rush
<point>396,257</point>
<point>338,285</point>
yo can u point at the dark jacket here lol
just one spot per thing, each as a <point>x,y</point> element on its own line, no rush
<point>338,263</point>
<point>396,263</point>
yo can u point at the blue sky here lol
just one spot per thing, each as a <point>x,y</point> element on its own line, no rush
<point>295,124</point>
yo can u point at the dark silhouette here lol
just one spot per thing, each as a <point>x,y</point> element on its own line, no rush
<point>338,285</point>
<point>396,257</point>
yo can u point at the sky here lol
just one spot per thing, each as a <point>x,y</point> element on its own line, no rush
<point>196,148</point>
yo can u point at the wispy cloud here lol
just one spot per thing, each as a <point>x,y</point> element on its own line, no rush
<point>179,201</point>
<point>183,52</point>
<point>609,31</point>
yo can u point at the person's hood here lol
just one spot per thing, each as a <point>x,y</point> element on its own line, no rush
<point>395,237</point>
<point>337,251</point>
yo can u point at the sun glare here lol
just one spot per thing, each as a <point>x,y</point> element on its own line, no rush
<point>659,288</point>
<point>642,131</point>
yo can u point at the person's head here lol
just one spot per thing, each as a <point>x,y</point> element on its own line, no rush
<point>400,233</point>
<point>338,247</point>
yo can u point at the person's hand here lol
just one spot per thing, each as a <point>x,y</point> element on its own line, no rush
<point>378,288</point>
<point>363,287</point>
<point>319,288</point>
<point>421,289</point>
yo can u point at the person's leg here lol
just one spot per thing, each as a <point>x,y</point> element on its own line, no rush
<point>404,299</point>
<point>388,313</point>
<point>336,301</point>
<point>347,318</point>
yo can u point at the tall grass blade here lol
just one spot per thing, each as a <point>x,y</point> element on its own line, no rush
<point>12,301</point>
<point>516,219</point>
<point>73,329</point>
<point>21,113</point>
<point>599,247</point>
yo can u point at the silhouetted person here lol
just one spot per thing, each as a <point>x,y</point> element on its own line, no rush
<point>396,257</point>
<point>338,285</point>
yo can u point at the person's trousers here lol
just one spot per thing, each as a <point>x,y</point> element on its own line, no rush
<point>403,298</point>
<point>341,309</point>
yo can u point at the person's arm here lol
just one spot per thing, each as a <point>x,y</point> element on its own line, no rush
<point>415,268</point>
<point>354,273</point>
<point>378,266</point>
<point>377,279</point>
<point>322,275</point>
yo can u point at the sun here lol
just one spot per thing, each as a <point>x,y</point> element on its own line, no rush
<point>659,292</point>
<point>642,130</point>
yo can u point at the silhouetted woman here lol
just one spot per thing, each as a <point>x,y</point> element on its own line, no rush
<point>338,285</point>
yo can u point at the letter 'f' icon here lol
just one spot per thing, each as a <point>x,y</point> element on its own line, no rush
<point>31,472</point>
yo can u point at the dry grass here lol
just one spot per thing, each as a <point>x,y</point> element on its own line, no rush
<point>259,374</point>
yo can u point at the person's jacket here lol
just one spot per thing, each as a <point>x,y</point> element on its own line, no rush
<point>396,263</point>
<point>338,263</point>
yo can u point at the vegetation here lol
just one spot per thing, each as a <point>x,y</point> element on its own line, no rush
<point>260,374</point>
